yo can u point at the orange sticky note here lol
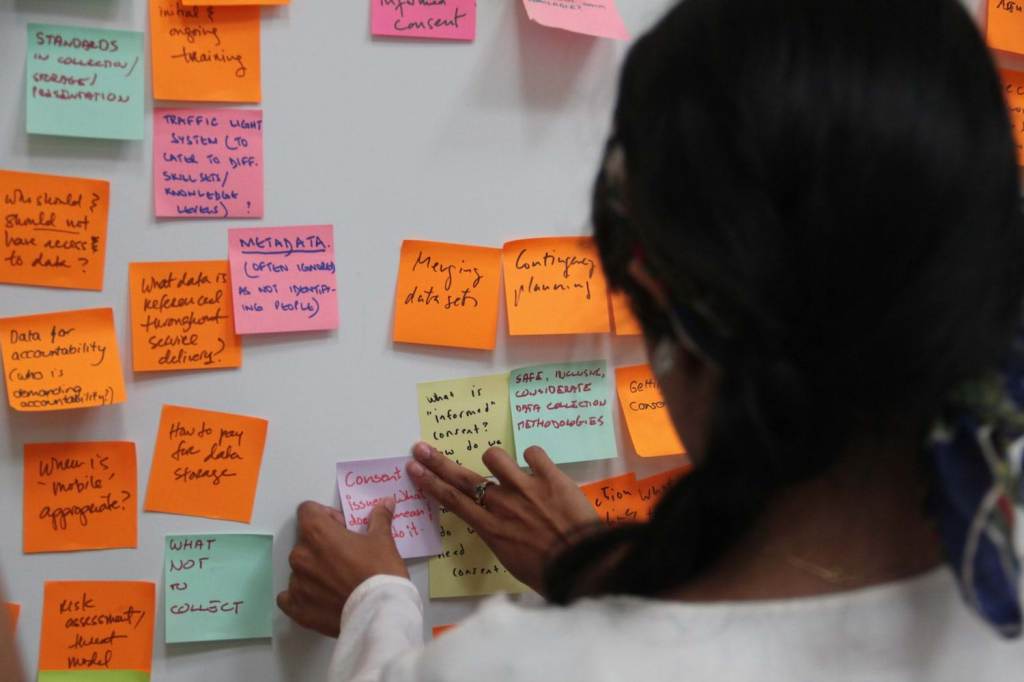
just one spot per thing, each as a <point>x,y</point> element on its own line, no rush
<point>79,496</point>
<point>554,285</point>
<point>1013,88</point>
<point>182,316</point>
<point>615,499</point>
<point>59,361</point>
<point>439,630</point>
<point>97,625</point>
<point>205,54</point>
<point>1006,25</point>
<point>647,417</point>
<point>651,489</point>
<point>12,614</point>
<point>447,295</point>
<point>55,230</point>
<point>206,464</point>
<point>222,3</point>
<point>626,323</point>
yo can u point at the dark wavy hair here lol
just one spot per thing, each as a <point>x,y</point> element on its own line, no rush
<point>837,182</point>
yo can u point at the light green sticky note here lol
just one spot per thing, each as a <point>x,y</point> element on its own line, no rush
<point>92,676</point>
<point>565,409</point>
<point>464,417</point>
<point>84,82</point>
<point>217,587</point>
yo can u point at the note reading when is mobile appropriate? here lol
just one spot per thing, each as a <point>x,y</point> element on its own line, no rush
<point>58,361</point>
<point>598,18</point>
<point>647,417</point>
<point>217,587</point>
<point>445,20</point>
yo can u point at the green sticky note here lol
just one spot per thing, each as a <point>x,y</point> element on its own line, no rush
<point>84,82</point>
<point>92,676</point>
<point>565,409</point>
<point>217,587</point>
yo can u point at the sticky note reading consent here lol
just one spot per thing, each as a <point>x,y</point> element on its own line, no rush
<point>205,54</point>
<point>84,82</point>
<point>647,418</point>
<point>217,587</point>
<point>599,18</point>
<point>565,409</point>
<point>181,316</point>
<point>79,496</point>
<point>364,484</point>
<point>97,626</point>
<point>554,286</point>
<point>1005,29</point>
<point>446,20</point>
<point>206,464</point>
<point>208,163</point>
<point>60,361</point>
<point>447,295</point>
<point>55,230</point>
<point>283,279</point>
<point>616,500</point>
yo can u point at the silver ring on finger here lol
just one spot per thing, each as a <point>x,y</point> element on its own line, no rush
<point>480,492</point>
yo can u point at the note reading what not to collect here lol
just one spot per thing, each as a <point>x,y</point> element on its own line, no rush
<point>599,18</point>
<point>58,361</point>
<point>445,20</point>
<point>647,416</point>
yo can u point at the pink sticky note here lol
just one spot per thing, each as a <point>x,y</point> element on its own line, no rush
<point>599,18</point>
<point>364,484</point>
<point>444,20</point>
<point>208,163</point>
<point>283,279</point>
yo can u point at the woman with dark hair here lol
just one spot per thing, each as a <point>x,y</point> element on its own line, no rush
<point>813,208</point>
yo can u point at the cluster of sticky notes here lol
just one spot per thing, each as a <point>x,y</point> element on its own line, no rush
<point>626,499</point>
<point>97,626</point>
<point>61,360</point>
<point>1013,87</point>
<point>206,464</point>
<point>647,417</point>
<point>446,20</point>
<point>1005,29</point>
<point>217,587</point>
<point>283,279</point>
<point>364,484</point>
<point>79,496</point>
<point>84,82</point>
<point>208,163</point>
<point>599,18</point>
<point>181,316</point>
<point>55,230</point>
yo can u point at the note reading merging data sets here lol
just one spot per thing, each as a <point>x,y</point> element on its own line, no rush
<point>217,587</point>
<point>208,163</point>
<point>181,316</point>
<point>554,285</point>
<point>598,18</point>
<point>59,361</point>
<point>565,409</point>
<point>283,279</point>
<point>647,417</point>
<point>445,20</point>
<point>84,82</point>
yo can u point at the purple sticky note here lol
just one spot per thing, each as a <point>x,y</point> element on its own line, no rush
<point>364,484</point>
<point>445,20</point>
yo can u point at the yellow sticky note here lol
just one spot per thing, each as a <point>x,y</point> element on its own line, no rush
<point>1013,88</point>
<point>466,566</point>
<point>1005,29</point>
<point>616,500</point>
<point>647,417</point>
<point>626,323</point>
<point>59,361</point>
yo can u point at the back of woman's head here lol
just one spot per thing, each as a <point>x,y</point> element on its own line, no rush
<point>835,184</point>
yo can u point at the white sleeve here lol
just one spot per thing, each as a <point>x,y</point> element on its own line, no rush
<point>382,619</point>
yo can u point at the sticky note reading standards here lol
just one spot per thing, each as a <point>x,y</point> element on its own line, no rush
<point>1005,29</point>
<point>84,82</point>
<point>79,496</point>
<point>205,54</point>
<point>599,18</point>
<point>565,409</point>
<point>446,20</point>
<point>206,464</point>
<point>59,361</point>
<point>55,230</point>
<point>181,316</point>
<point>616,500</point>
<point>466,566</point>
<point>447,295</point>
<point>217,587</point>
<point>208,163</point>
<point>647,417</point>
<point>364,484</point>
<point>283,279</point>
<point>554,286</point>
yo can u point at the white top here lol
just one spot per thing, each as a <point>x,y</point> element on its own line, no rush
<point>912,630</point>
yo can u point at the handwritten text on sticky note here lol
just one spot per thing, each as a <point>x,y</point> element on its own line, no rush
<point>1005,30</point>
<point>647,417</point>
<point>1013,89</point>
<point>466,566</point>
<point>599,18</point>
<point>616,500</point>
<point>651,489</point>
<point>444,20</point>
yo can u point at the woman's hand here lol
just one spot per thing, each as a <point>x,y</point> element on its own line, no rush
<point>525,519</point>
<point>329,561</point>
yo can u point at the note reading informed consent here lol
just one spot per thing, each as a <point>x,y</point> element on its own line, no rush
<point>599,18</point>
<point>283,279</point>
<point>651,489</point>
<point>181,316</point>
<point>565,409</point>
<point>1013,88</point>
<point>79,496</point>
<point>97,626</point>
<point>217,587</point>
<point>554,286</point>
<point>12,610</point>
<point>647,417</point>
<point>206,464</point>
<point>616,500</point>
<point>84,82</point>
<point>447,295</point>
<point>55,230</point>
<point>364,484</point>
<point>205,54</point>
<point>1005,29</point>
<point>208,163</point>
<point>444,20</point>
<point>58,361</point>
